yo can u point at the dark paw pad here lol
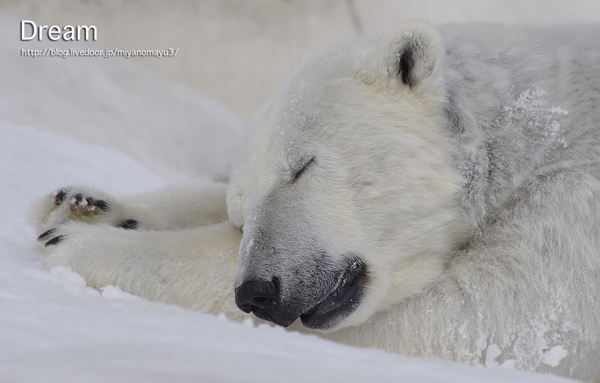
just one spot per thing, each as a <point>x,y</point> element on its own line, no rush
<point>100,204</point>
<point>78,200</point>
<point>59,196</point>
<point>130,224</point>
<point>83,206</point>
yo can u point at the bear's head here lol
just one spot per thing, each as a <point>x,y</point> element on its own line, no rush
<point>345,194</point>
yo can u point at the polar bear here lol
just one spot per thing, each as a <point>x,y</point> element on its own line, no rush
<point>432,192</point>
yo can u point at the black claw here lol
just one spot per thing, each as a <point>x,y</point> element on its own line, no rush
<point>59,196</point>
<point>100,204</point>
<point>89,200</point>
<point>46,234</point>
<point>54,240</point>
<point>130,224</point>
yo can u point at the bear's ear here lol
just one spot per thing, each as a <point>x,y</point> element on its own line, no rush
<point>410,54</point>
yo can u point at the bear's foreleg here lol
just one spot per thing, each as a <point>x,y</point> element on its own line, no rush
<point>193,268</point>
<point>173,207</point>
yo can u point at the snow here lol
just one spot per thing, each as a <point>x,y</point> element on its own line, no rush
<point>553,356</point>
<point>53,328</point>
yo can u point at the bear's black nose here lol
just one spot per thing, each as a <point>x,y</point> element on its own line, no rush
<point>256,296</point>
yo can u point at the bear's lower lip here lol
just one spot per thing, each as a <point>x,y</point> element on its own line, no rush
<point>343,299</point>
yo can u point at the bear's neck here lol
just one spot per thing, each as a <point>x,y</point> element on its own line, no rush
<point>505,126</point>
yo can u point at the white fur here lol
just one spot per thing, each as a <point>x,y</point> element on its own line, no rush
<point>470,189</point>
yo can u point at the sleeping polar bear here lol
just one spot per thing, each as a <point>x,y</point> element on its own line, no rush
<point>433,192</point>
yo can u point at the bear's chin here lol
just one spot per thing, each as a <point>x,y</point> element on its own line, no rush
<point>341,302</point>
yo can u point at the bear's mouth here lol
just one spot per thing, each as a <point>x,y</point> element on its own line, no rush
<point>341,301</point>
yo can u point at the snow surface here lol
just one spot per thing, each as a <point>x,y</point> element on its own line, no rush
<point>55,329</point>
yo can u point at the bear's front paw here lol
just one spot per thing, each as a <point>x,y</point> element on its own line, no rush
<point>76,240</point>
<point>71,204</point>
<point>81,205</point>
